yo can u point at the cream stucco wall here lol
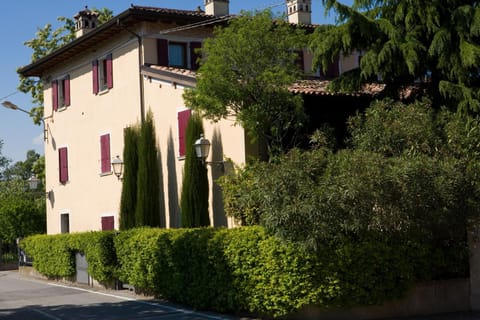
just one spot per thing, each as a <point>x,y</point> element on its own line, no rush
<point>87,196</point>
<point>228,141</point>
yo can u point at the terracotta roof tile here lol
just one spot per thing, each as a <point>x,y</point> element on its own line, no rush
<point>178,71</point>
<point>196,13</point>
<point>320,87</point>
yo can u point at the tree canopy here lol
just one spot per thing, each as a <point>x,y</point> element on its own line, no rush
<point>406,41</point>
<point>245,73</point>
<point>47,40</point>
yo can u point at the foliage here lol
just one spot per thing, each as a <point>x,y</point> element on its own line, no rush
<point>246,269</point>
<point>24,169</point>
<point>194,199</point>
<point>147,209</point>
<point>45,42</point>
<point>54,255</point>
<point>22,211</point>
<point>4,162</point>
<point>396,179</point>
<point>434,42</point>
<point>51,254</point>
<point>128,200</point>
<point>246,71</point>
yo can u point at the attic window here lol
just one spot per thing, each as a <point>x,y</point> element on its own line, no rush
<point>177,54</point>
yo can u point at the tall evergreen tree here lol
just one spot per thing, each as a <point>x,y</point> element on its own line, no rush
<point>407,41</point>
<point>147,211</point>
<point>128,200</point>
<point>194,198</point>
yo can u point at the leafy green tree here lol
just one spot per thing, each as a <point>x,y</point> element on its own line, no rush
<point>245,73</point>
<point>194,198</point>
<point>45,42</point>
<point>128,200</point>
<point>22,212</point>
<point>403,41</point>
<point>147,209</point>
<point>4,162</point>
<point>23,170</point>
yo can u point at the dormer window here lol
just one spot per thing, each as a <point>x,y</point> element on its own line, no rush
<point>177,55</point>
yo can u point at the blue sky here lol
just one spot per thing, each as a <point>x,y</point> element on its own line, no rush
<point>19,23</point>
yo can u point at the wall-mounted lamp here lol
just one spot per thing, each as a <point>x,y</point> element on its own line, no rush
<point>13,106</point>
<point>202,149</point>
<point>33,183</point>
<point>117,165</point>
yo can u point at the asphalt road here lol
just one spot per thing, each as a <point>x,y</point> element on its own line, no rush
<point>24,298</point>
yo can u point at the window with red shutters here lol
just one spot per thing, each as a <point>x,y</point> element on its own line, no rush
<point>108,223</point>
<point>63,165</point>
<point>102,74</point>
<point>61,93</point>
<point>105,153</point>
<point>183,117</point>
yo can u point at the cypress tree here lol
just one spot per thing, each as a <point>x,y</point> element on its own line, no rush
<point>194,199</point>
<point>129,184</point>
<point>147,211</point>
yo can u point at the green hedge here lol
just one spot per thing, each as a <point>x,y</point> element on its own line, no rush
<point>54,255</point>
<point>247,270</point>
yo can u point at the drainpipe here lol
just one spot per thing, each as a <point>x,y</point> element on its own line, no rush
<point>140,78</point>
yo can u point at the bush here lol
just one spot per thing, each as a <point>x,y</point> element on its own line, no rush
<point>54,255</point>
<point>247,270</point>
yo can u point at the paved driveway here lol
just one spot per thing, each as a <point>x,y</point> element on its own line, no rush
<point>25,298</point>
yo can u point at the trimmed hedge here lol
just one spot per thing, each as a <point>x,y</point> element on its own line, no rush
<point>247,270</point>
<point>54,255</point>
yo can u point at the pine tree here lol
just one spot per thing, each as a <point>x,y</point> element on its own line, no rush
<point>407,41</point>
<point>128,200</point>
<point>194,199</point>
<point>147,211</point>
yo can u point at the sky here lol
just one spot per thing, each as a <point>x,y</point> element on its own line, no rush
<point>20,22</point>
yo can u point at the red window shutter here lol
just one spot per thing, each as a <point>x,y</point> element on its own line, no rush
<point>333,69</point>
<point>67,90</point>
<point>109,63</point>
<point>162,52</point>
<point>183,117</point>
<point>300,61</point>
<point>95,76</point>
<point>63,164</point>
<point>105,153</point>
<point>194,55</point>
<point>108,223</point>
<point>55,95</point>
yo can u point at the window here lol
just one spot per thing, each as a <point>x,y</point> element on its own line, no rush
<point>177,55</point>
<point>63,165</point>
<point>61,93</point>
<point>108,223</point>
<point>105,166</point>
<point>102,74</point>
<point>183,117</point>
<point>64,223</point>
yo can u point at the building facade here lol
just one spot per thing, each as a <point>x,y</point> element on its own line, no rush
<point>108,79</point>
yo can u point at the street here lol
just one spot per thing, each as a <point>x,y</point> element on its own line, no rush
<point>25,298</point>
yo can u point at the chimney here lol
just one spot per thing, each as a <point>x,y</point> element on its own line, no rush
<point>217,8</point>
<point>299,11</point>
<point>85,21</point>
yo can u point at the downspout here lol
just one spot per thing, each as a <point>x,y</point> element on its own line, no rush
<point>140,78</point>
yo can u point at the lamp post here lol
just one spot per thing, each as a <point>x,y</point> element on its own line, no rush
<point>13,106</point>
